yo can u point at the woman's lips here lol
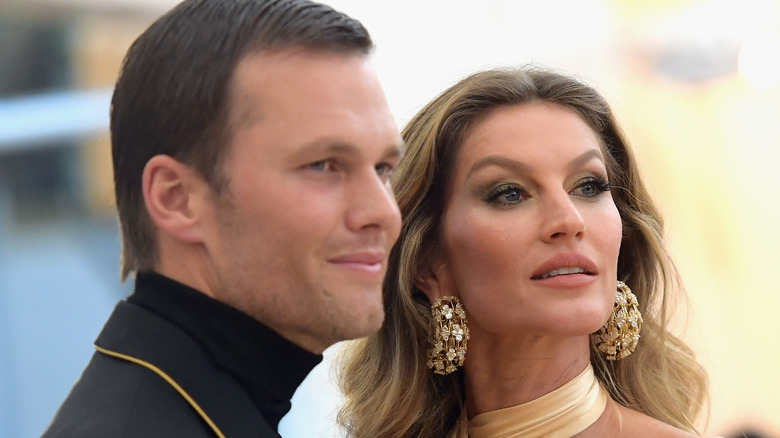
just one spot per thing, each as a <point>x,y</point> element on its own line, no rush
<point>565,264</point>
<point>563,271</point>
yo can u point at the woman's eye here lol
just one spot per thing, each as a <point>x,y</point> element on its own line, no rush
<point>508,194</point>
<point>591,187</point>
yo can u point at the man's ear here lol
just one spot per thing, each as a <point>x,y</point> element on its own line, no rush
<point>173,194</point>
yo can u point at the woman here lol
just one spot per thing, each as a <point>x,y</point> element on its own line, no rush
<point>526,227</point>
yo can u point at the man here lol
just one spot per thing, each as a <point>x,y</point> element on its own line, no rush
<point>252,145</point>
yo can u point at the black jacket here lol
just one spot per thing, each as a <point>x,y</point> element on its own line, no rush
<point>163,369</point>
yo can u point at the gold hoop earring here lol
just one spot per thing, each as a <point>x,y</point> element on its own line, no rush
<point>619,336</point>
<point>449,336</point>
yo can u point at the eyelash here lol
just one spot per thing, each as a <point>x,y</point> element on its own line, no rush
<point>384,170</point>
<point>502,190</point>
<point>601,185</point>
<point>319,165</point>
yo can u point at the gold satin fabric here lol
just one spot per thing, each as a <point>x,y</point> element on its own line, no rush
<point>562,413</point>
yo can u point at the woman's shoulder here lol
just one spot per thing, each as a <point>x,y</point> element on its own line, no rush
<point>637,424</point>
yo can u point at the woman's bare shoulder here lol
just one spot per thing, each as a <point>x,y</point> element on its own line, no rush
<point>637,424</point>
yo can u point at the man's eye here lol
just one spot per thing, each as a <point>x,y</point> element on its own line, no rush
<point>322,165</point>
<point>384,169</point>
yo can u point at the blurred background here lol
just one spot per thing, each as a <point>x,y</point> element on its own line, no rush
<point>695,83</point>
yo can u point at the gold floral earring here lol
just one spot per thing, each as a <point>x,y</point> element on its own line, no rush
<point>619,336</point>
<point>449,336</point>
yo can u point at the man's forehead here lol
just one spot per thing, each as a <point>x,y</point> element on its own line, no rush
<point>294,71</point>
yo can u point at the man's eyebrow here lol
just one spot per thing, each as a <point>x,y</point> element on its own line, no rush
<point>394,151</point>
<point>523,168</point>
<point>339,147</point>
<point>329,146</point>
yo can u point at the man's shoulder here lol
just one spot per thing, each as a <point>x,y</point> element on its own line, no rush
<point>150,379</point>
<point>118,399</point>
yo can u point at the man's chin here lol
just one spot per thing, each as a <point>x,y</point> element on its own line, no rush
<point>366,324</point>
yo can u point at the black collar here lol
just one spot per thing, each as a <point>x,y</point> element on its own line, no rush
<point>269,367</point>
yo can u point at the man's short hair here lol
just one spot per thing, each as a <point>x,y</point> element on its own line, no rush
<point>173,95</point>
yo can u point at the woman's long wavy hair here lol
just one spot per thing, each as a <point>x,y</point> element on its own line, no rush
<point>390,392</point>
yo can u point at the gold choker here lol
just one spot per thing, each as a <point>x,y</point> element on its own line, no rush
<point>562,413</point>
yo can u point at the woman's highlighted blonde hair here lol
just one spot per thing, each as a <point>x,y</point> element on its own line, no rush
<point>388,388</point>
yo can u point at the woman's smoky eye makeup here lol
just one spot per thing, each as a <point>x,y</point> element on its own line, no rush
<point>591,186</point>
<point>506,192</point>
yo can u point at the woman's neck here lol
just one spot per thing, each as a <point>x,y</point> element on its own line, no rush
<point>507,371</point>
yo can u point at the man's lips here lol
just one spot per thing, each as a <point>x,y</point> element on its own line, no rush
<point>367,260</point>
<point>565,264</point>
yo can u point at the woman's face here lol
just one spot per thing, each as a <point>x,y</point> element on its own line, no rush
<point>531,234</point>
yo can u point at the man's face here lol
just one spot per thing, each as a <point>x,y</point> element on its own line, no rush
<point>300,237</point>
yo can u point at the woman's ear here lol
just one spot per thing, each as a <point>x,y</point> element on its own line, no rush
<point>434,282</point>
